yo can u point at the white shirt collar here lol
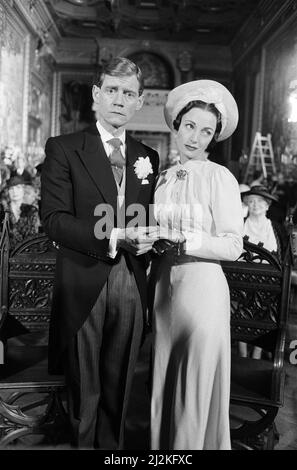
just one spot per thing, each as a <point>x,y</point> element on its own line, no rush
<point>105,135</point>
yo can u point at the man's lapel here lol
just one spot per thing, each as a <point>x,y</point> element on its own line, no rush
<point>134,151</point>
<point>98,166</point>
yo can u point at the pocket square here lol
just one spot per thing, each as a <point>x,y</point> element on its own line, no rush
<point>145,182</point>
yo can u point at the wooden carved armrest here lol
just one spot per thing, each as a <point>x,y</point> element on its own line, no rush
<point>278,366</point>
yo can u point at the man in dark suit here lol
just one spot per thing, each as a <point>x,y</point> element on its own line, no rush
<point>99,301</point>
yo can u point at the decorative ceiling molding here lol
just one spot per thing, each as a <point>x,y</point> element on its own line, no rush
<point>202,21</point>
<point>73,52</point>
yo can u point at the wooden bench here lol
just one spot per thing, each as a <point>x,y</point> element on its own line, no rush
<point>259,287</point>
<point>260,291</point>
<point>31,400</point>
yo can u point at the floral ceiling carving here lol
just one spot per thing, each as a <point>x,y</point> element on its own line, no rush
<point>207,21</point>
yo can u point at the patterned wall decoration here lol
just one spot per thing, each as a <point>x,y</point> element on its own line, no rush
<point>12,58</point>
<point>3,25</point>
<point>40,98</point>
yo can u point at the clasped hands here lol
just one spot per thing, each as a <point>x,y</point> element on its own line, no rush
<point>140,240</point>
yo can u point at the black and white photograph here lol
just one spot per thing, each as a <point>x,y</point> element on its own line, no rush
<point>148,228</point>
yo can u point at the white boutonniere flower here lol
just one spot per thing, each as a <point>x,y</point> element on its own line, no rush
<point>143,168</point>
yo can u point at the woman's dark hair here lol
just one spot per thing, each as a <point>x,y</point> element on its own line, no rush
<point>121,67</point>
<point>207,107</point>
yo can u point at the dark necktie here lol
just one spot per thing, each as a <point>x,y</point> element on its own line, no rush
<point>116,158</point>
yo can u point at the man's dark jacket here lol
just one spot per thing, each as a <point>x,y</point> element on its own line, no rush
<point>77,177</point>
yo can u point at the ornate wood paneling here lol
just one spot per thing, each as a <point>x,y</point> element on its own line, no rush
<point>255,283</point>
<point>25,76</point>
<point>31,278</point>
<point>13,77</point>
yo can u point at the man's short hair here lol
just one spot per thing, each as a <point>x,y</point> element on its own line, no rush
<point>120,67</point>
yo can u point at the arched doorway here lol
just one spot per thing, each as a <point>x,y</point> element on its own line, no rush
<point>157,71</point>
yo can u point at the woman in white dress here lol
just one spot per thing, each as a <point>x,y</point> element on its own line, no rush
<point>197,206</point>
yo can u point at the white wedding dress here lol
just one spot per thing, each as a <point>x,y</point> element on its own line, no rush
<point>191,374</point>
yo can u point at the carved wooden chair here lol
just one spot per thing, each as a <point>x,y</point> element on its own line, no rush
<point>31,401</point>
<point>260,290</point>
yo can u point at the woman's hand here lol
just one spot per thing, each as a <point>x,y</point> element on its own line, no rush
<point>164,233</point>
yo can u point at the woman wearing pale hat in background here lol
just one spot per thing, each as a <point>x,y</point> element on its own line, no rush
<point>197,206</point>
<point>260,229</point>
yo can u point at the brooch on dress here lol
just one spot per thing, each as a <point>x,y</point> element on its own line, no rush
<point>181,174</point>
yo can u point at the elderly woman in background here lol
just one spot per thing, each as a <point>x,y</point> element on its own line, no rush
<point>260,229</point>
<point>197,206</point>
<point>23,218</point>
<point>257,226</point>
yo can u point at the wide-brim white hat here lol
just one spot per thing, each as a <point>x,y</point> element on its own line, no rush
<point>208,91</point>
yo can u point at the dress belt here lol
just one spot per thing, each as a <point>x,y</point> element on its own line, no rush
<point>183,259</point>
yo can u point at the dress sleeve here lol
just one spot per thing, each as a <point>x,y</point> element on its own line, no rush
<point>225,242</point>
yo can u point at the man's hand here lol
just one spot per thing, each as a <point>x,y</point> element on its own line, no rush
<point>137,241</point>
<point>164,233</point>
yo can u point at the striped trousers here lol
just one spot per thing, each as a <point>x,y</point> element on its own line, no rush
<point>100,363</point>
